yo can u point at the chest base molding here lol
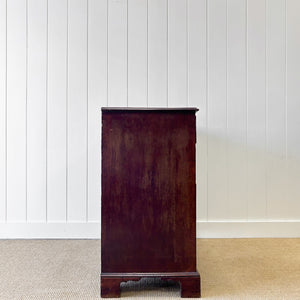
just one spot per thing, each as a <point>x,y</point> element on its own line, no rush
<point>189,282</point>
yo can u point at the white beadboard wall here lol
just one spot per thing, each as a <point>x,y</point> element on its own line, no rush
<point>236,60</point>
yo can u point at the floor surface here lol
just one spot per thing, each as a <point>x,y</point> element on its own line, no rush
<point>229,268</point>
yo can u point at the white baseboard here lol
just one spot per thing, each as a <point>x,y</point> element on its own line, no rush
<point>78,230</point>
<point>91,230</point>
<point>250,229</point>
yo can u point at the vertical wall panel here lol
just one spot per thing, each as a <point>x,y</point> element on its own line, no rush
<point>197,94</point>
<point>137,53</point>
<point>16,110</point>
<point>36,110</point>
<point>236,109</point>
<point>2,110</point>
<point>57,110</point>
<point>77,111</point>
<point>293,108</point>
<point>157,53</point>
<point>117,53</point>
<point>256,134</point>
<point>217,102</point>
<point>177,53</point>
<point>276,111</point>
<point>97,97</point>
<point>236,60</point>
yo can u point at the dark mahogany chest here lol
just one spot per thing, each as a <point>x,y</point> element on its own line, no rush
<point>148,198</point>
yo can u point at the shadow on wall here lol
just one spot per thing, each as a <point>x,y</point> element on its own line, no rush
<point>240,180</point>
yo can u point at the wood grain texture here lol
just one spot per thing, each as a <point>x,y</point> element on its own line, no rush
<point>148,205</point>
<point>148,191</point>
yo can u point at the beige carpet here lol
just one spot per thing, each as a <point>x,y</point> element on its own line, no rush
<point>230,269</point>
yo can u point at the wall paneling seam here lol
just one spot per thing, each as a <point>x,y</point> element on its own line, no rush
<point>26,119</point>
<point>147,55</point>
<point>87,113</point>
<point>266,108</point>
<point>47,99</point>
<point>167,1</point>
<point>107,15</point>
<point>187,50</point>
<point>207,103</point>
<point>67,111</point>
<point>247,117</point>
<point>6,204</point>
<point>226,96</point>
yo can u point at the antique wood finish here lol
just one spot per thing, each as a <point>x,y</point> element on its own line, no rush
<point>148,198</point>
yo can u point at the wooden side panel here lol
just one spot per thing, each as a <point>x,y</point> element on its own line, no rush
<point>148,192</point>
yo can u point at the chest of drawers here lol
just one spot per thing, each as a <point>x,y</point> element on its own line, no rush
<point>148,225</point>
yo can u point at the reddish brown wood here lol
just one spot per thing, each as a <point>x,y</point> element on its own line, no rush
<point>110,287</point>
<point>190,287</point>
<point>148,193</point>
